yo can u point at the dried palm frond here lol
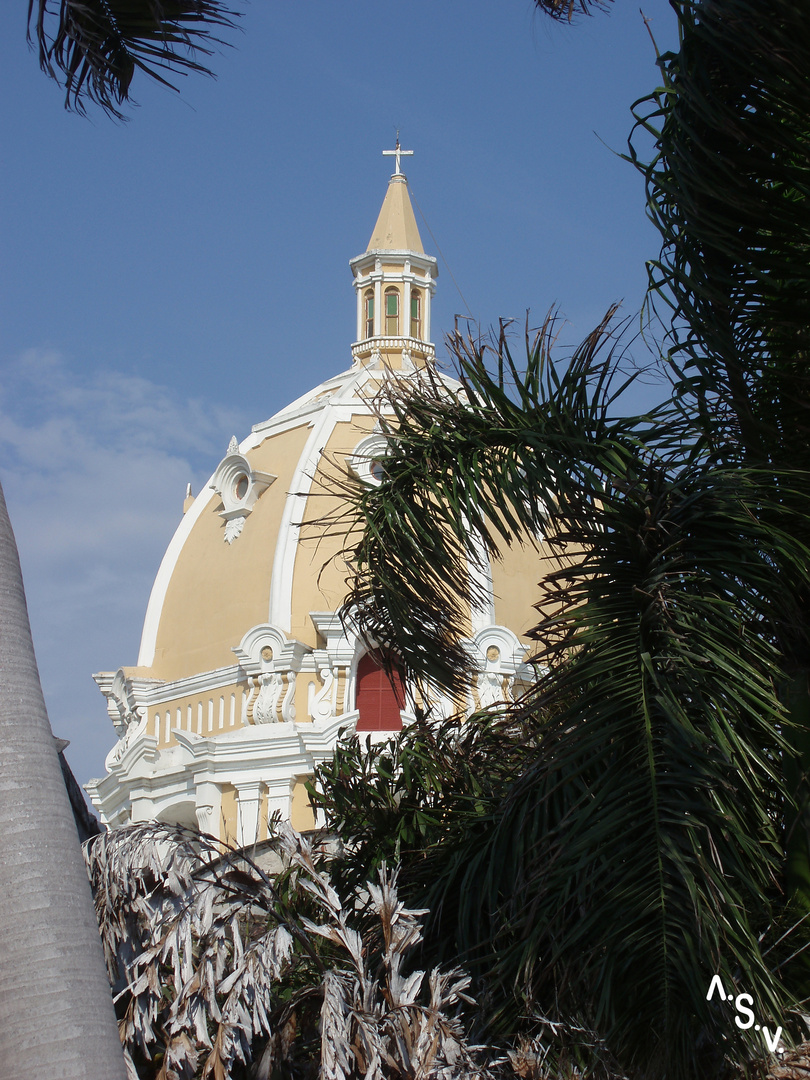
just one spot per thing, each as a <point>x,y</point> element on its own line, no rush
<point>214,961</point>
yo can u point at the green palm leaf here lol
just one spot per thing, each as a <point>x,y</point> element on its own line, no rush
<point>636,850</point>
<point>728,189</point>
<point>94,47</point>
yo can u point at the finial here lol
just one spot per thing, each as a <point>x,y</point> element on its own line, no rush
<point>397,152</point>
<point>233,445</point>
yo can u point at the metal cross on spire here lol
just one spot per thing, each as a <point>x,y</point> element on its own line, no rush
<point>397,152</point>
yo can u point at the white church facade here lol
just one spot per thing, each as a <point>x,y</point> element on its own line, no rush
<point>246,675</point>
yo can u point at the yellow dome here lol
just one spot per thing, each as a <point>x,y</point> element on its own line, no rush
<point>246,674</point>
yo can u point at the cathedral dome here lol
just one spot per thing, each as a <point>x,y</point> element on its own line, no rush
<point>246,674</point>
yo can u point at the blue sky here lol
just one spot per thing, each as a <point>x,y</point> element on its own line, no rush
<point>169,282</point>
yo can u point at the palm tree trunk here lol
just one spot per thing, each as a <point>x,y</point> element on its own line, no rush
<point>56,1012</point>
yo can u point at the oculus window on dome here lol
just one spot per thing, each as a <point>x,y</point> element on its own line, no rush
<point>368,460</point>
<point>239,486</point>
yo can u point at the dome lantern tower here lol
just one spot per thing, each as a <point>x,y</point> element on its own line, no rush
<point>394,280</point>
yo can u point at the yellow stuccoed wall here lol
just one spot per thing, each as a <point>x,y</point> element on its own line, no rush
<point>219,590</point>
<point>516,584</point>
<point>227,817</point>
<point>319,577</point>
<point>302,816</point>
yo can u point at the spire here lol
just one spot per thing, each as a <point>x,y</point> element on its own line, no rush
<point>396,228</point>
<point>394,281</point>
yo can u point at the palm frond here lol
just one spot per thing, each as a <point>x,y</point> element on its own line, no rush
<point>94,47</point>
<point>565,10</point>
<point>638,846</point>
<point>641,848</point>
<point>728,188</point>
<point>489,462</point>
<point>221,963</point>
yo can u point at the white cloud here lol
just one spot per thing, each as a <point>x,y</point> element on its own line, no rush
<point>94,467</point>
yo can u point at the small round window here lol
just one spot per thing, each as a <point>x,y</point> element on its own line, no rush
<point>241,486</point>
<point>369,457</point>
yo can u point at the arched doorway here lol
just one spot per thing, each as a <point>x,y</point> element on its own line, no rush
<point>380,695</point>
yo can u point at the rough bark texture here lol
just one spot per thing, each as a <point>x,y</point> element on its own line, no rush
<point>56,1012</point>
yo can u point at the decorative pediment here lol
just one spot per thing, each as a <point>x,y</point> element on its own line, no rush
<point>265,648</point>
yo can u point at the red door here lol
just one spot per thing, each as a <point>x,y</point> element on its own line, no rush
<point>379,697</point>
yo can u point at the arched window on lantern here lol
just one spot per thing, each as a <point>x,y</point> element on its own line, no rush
<point>379,695</point>
<point>369,311</point>
<point>391,312</point>
<point>416,313</point>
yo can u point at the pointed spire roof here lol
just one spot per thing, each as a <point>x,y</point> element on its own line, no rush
<point>396,228</point>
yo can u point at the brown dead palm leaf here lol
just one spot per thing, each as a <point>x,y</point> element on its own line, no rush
<point>565,10</point>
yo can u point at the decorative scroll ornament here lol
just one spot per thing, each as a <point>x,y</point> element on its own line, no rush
<point>265,706</point>
<point>288,705</point>
<point>137,724</point>
<point>322,704</point>
<point>205,818</point>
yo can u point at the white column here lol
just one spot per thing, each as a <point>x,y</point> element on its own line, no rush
<point>248,802</point>
<point>361,330</point>
<point>142,808</point>
<point>279,797</point>
<point>378,308</point>
<point>426,312</point>
<point>405,329</point>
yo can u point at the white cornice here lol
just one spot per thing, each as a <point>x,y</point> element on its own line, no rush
<point>369,258</point>
<point>160,692</point>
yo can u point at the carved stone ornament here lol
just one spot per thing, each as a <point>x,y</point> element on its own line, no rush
<point>233,527</point>
<point>239,486</point>
<point>121,705</point>
<point>136,726</point>
<point>288,705</point>
<point>265,706</point>
<point>322,703</point>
